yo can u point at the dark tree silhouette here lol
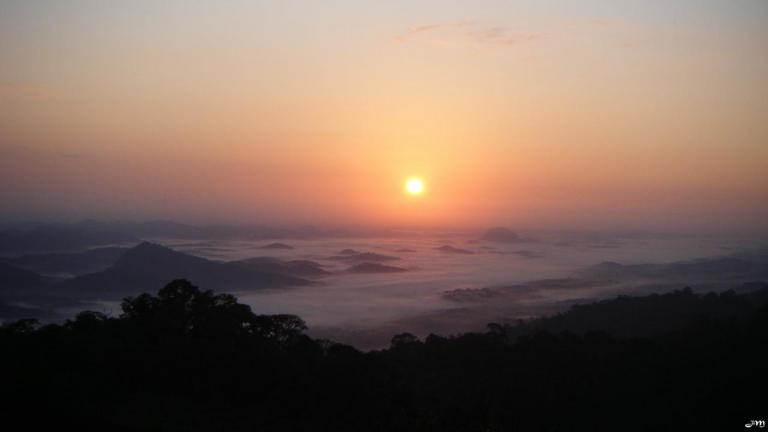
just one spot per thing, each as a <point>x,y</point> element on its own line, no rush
<point>191,360</point>
<point>403,339</point>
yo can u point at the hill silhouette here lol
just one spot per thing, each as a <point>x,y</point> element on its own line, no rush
<point>738,266</point>
<point>300,268</point>
<point>147,265</point>
<point>651,315</point>
<point>22,294</point>
<point>12,277</point>
<point>735,271</point>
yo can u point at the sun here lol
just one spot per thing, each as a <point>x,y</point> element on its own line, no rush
<point>414,186</point>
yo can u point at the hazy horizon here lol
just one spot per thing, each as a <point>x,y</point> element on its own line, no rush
<point>360,229</point>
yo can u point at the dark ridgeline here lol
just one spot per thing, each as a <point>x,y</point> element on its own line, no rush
<point>15,283</point>
<point>192,360</point>
<point>149,265</point>
<point>113,272</point>
<point>12,276</point>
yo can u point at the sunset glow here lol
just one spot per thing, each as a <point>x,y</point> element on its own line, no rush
<point>534,114</point>
<point>414,186</point>
<point>383,215</point>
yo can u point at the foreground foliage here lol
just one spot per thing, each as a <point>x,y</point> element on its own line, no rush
<point>193,360</point>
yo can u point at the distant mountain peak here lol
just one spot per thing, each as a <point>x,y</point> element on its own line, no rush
<point>277,245</point>
<point>153,255</point>
<point>146,247</point>
<point>501,234</point>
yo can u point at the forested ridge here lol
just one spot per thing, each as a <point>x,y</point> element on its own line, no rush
<point>192,360</point>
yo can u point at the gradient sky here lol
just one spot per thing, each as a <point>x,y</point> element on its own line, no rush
<point>591,114</point>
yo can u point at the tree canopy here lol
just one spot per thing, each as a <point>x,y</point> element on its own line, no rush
<point>191,360</point>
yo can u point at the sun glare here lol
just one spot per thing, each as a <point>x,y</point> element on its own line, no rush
<point>414,186</point>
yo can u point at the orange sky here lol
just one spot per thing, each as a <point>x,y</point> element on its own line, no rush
<point>620,114</point>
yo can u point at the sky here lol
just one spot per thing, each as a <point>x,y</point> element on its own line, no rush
<point>591,114</point>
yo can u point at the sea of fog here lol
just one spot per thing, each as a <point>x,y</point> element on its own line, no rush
<point>367,309</point>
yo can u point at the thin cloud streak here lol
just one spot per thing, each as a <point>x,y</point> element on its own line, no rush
<point>414,32</point>
<point>465,32</point>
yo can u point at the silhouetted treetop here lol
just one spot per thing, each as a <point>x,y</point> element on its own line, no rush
<point>403,339</point>
<point>183,308</point>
